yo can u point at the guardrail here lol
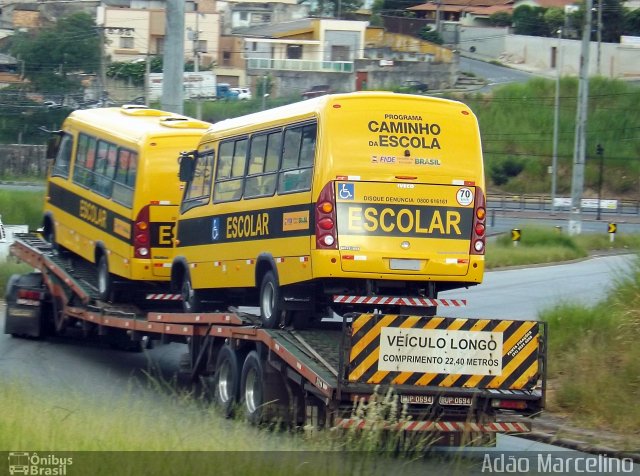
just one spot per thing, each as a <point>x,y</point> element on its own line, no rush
<point>542,203</point>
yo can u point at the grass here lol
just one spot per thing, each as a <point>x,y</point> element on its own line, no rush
<point>20,207</point>
<point>539,245</point>
<point>595,359</point>
<point>196,437</point>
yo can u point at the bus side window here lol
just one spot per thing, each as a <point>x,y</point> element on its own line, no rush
<point>297,159</point>
<point>122,185</point>
<point>101,179</point>
<point>85,157</point>
<point>200,187</point>
<point>62,162</point>
<point>232,159</point>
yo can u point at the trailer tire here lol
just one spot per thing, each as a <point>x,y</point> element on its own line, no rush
<point>263,396</point>
<point>271,302</point>
<point>226,381</point>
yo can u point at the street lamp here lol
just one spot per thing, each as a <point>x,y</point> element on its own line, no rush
<point>600,153</point>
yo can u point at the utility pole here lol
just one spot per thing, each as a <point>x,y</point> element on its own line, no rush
<point>556,120</point>
<point>196,57</point>
<point>577,182</point>
<point>173,71</point>
<point>600,152</point>
<point>599,34</point>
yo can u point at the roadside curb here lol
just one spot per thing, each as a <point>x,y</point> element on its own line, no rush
<point>579,445</point>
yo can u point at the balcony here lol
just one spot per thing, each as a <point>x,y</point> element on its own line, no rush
<point>300,65</point>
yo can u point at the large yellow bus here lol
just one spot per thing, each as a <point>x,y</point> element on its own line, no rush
<point>364,194</point>
<point>113,190</point>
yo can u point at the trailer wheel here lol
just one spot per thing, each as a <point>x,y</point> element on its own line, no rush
<point>271,309</point>
<point>227,380</point>
<point>264,396</point>
<point>105,279</point>
<point>191,300</point>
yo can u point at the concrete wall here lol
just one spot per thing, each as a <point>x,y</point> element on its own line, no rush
<point>23,160</point>
<point>537,53</point>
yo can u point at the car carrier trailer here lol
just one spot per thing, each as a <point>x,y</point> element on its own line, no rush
<point>460,380</point>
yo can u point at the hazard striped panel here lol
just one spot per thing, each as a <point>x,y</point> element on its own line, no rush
<point>444,426</point>
<point>398,301</point>
<point>163,297</point>
<point>444,352</point>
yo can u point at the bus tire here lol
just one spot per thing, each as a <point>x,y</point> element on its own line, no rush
<point>191,300</point>
<point>263,398</point>
<point>227,381</point>
<point>271,302</point>
<point>105,279</point>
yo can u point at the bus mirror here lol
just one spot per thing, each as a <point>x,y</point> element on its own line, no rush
<point>187,166</point>
<point>53,142</point>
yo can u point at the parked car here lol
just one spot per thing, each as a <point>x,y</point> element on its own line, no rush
<point>317,90</point>
<point>243,93</point>
<point>414,86</point>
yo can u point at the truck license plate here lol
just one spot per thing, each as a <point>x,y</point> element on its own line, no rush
<point>417,399</point>
<point>463,401</point>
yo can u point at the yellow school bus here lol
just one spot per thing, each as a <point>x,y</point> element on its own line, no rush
<point>113,190</point>
<point>361,194</point>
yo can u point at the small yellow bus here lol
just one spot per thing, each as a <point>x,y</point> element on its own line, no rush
<point>360,194</point>
<point>113,190</point>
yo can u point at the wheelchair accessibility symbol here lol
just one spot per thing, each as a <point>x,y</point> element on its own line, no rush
<point>346,191</point>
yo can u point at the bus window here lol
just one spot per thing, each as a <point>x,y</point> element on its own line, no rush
<point>104,168</point>
<point>261,174</point>
<point>297,159</point>
<point>230,174</point>
<point>85,157</point>
<point>63,158</point>
<point>125,177</point>
<point>199,188</point>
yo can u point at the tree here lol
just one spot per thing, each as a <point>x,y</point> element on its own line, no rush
<point>501,19</point>
<point>554,18</point>
<point>431,35</point>
<point>613,20</point>
<point>631,22</point>
<point>529,20</point>
<point>50,54</point>
<point>134,71</point>
<point>336,8</point>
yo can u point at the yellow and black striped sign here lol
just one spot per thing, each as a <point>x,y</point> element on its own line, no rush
<point>444,352</point>
<point>612,228</point>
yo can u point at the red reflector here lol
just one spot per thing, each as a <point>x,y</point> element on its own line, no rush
<point>479,229</point>
<point>512,404</point>
<point>469,183</point>
<point>337,106</point>
<point>347,256</point>
<point>405,177</point>
<point>326,223</point>
<point>142,238</point>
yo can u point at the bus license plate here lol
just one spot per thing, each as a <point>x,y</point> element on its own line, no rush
<point>405,264</point>
<point>417,399</point>
<point>463,401</point>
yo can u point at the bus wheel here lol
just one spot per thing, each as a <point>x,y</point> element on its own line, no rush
<point>227,380</point>
<point>264,400</point>
<point>191,301</point>
<point>270,301</point>
<point>105,279</point>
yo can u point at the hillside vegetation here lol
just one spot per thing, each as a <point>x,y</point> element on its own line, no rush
<point>517,123</point>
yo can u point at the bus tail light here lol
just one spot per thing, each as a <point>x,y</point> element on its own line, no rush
<point>479,224</point>
<point>325,215</point>
<point>141,234</point>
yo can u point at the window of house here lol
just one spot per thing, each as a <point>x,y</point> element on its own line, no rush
<point>126,42</point>
<point>294,51</point>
